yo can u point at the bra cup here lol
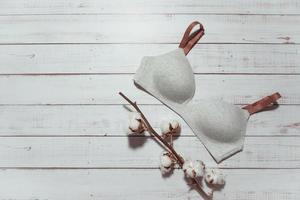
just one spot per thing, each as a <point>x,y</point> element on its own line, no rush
<point>175,79</point>
<point>220,121</point>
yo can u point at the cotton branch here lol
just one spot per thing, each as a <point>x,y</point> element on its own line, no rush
<point>161,140</point>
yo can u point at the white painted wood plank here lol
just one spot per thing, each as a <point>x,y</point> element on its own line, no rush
<point>99,89</point>
<point>149,6</point>
<point>143,184</point>
<point>147,28</point>
<point>110,120</point>
<point>138,152</point>
<point>101,58</point>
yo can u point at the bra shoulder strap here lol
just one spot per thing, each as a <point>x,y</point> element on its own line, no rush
<point>190,39</point>
<point>262,104</point>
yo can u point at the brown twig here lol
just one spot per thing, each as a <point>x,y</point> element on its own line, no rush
<point>153,132</point>
<point>169,147</point>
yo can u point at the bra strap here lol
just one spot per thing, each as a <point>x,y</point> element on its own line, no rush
<point>262,104</point>
<point>190,39</point>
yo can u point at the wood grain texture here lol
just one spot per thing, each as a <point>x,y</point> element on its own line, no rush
<point>100,58</point>
<point>138,152</point>
<point>103,89</point>
<point>149,6</point>
<point>142,184</point>
<point>111,120</point>
<point>147,28</point>
<point>62,123</point>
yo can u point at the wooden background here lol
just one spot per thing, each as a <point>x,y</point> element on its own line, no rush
<point>61,120</point>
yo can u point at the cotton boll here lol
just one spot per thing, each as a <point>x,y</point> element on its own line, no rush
<point>170,127</point>
<point>165,160</point>
<point>214,177</point>
<point>165,127</point>
<point>199,168</point>
<point>135,123</point>
<point>193,169</point>
<point>190,173</point>
<point>187,164</point>
<point>136,127</point>
<point>166,163</point>
<point>175,126</point>
<point>188,168</point>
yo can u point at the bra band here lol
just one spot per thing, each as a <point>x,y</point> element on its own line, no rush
<point>262,104</point>
<point>190,39</point>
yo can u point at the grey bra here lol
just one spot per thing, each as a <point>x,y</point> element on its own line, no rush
<point>219,125</point>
